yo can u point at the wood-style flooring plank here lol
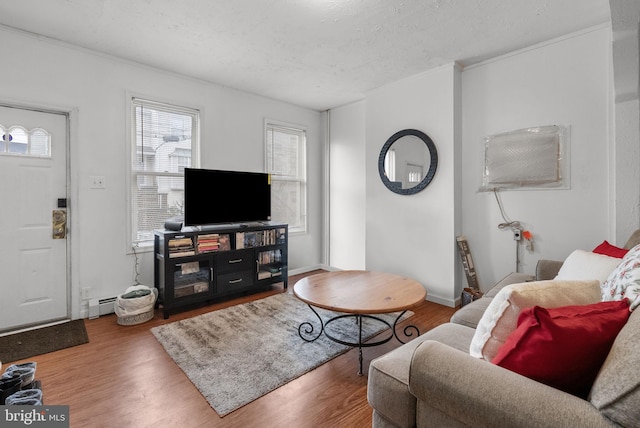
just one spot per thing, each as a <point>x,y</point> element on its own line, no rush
<point>124,378</point>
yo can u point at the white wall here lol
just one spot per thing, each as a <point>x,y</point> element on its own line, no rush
<point>347,187</point>
<point>94,88</point>
<point>414,235</point>
<point>563,82</point>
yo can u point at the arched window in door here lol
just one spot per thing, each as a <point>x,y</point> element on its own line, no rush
<point>17,140</point>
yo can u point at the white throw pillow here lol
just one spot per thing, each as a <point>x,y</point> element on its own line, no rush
<point>501,316</point>
<point>585,265</point>
<point>624,281</point>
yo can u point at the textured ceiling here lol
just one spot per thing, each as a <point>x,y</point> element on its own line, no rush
<point>314,53</point>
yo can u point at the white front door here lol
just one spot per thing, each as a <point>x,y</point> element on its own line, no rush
<point>33,177</point>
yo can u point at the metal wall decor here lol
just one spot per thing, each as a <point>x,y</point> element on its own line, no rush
<point>408,162</point>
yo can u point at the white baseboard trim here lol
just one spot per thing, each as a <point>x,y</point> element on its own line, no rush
<point>452,303</point>
<point>306,269</point>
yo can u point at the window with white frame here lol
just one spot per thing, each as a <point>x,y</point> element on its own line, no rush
<point>164,141</point>
<point>286,162</point>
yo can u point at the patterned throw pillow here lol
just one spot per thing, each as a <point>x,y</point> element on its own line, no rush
<point>624,281</point>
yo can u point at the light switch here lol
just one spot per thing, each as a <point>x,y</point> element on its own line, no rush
<point>97,182</point>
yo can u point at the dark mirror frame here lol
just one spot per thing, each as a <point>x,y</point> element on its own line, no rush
<point>432,166</point>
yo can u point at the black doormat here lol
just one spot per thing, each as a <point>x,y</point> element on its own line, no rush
<point>27,344</point>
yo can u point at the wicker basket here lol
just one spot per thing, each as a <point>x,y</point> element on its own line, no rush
<point>136,319</point>
<point>136,310</point>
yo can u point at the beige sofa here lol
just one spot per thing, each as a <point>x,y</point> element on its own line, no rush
<point>432,381</point>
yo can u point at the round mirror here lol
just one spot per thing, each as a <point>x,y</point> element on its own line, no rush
<point>408,162</point>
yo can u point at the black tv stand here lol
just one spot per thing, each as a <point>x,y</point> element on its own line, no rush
<point>206,263</point>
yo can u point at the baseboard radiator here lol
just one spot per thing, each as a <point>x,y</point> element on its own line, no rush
<point>99,307</point>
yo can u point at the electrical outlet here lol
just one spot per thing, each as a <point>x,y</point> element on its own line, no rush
<point>85,293</point>
<point>517,234</point>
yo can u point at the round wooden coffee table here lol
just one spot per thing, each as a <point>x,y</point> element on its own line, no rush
<point>358,294</point>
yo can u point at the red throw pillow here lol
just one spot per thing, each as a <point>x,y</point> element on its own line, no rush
<point>563,347</point>
<point>610,250</point>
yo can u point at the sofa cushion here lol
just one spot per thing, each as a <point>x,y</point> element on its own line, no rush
<point>469,392</point>
<point>616,390</point>
<point>470,315</point>
<point>512,278</point>
<point>563,347</point>
<point>585,265</point>
<point>610,250</point>
<point>547,269</point>
<point>624,281</point>
<point>501,316</point>
<point>388,383</point>
<point>633,240</point>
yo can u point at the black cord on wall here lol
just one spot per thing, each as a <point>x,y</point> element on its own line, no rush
<point>137,265</point>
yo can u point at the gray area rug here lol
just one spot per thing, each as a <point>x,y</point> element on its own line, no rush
<point>238,354</point>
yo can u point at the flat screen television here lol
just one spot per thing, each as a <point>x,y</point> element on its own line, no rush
<point>216,196</point>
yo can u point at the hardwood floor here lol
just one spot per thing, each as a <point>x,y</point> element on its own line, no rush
<point>123,378</point>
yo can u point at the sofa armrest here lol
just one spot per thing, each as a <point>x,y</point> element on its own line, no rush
<point>476,393</point>
<point>547,269</point>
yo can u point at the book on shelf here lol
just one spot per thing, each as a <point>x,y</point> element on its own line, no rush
<point>180,247</point>
<point>251,239</point>
<point>182,253</point>
<point>258,238</point>
<point>189,289</point>
<point>189,268</point>
<point>224,243</point>
<point>182,291</point>
<point>264,274</point>
<point>201,287</point>
<point>267,257</point>
<point>239,240</point>
<point>273,237</point>
<point>208,242</point>
<point>180,242</point>
<point>184,277</point>
<point>207,248</point>
<point>269,272</point>
<point>211,237</point>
